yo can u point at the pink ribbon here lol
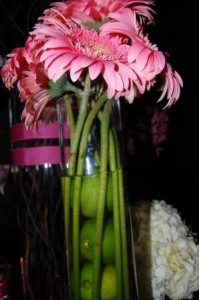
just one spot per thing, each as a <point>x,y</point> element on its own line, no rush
<point>43,131</point>
<point>37,155</point>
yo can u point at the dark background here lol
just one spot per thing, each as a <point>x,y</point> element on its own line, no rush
<point>181,161</point>
<point>174,174</point>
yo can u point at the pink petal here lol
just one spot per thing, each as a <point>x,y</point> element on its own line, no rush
<point>135,50</point>
<point>109,75</point>
<point>95,69</point>
<point>119,82</point>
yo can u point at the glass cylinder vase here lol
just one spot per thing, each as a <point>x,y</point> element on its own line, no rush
<point>36,173</point>
<point>98,229</point>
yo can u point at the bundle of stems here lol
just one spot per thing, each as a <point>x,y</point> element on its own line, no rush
<point>109,160</point>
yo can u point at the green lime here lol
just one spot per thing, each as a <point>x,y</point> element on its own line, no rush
<point>108,288</point>
<point>86,281</point>
<point>108,282</point>
<point>87,240</point>
<point>90,194</point>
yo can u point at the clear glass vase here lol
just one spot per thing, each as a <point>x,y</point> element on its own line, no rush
<point>98,229</point>
<point>36,173</point>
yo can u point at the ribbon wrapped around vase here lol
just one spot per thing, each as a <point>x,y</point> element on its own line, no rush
<point>36,172</point>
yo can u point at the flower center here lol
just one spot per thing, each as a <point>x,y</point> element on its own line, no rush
<point>90,43</point>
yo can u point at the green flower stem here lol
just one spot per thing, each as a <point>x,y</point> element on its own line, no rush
<point>66,180</point>
<point>77,192</point>
<point>66,186</point>
<point>79,126</point>
<point>70,116</point>
<point>84,139</point>
<point>116,216</point>
<point>96,292</point>
<point>66,196</point>
<point>125,257</point>
<point>76,234</point>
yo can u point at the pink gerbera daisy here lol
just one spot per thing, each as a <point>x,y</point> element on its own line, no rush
<point>143,57</point>
<point>98,10</point>
<point>14,66</point>
<point>74,50</point>
<point>33,89</point>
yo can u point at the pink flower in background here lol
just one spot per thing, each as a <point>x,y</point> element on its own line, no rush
<point>159,127</point>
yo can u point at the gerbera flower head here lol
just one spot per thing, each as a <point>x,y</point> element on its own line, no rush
<point>77,50</point>
<point>97,10</point>
<point>14,67</point>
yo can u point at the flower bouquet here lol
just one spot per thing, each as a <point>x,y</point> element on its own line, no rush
<point>77,64</point>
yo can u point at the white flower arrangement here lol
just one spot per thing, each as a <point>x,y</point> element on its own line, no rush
<point>173,258</point>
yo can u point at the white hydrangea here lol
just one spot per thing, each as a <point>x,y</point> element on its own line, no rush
<point>174,254</point>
